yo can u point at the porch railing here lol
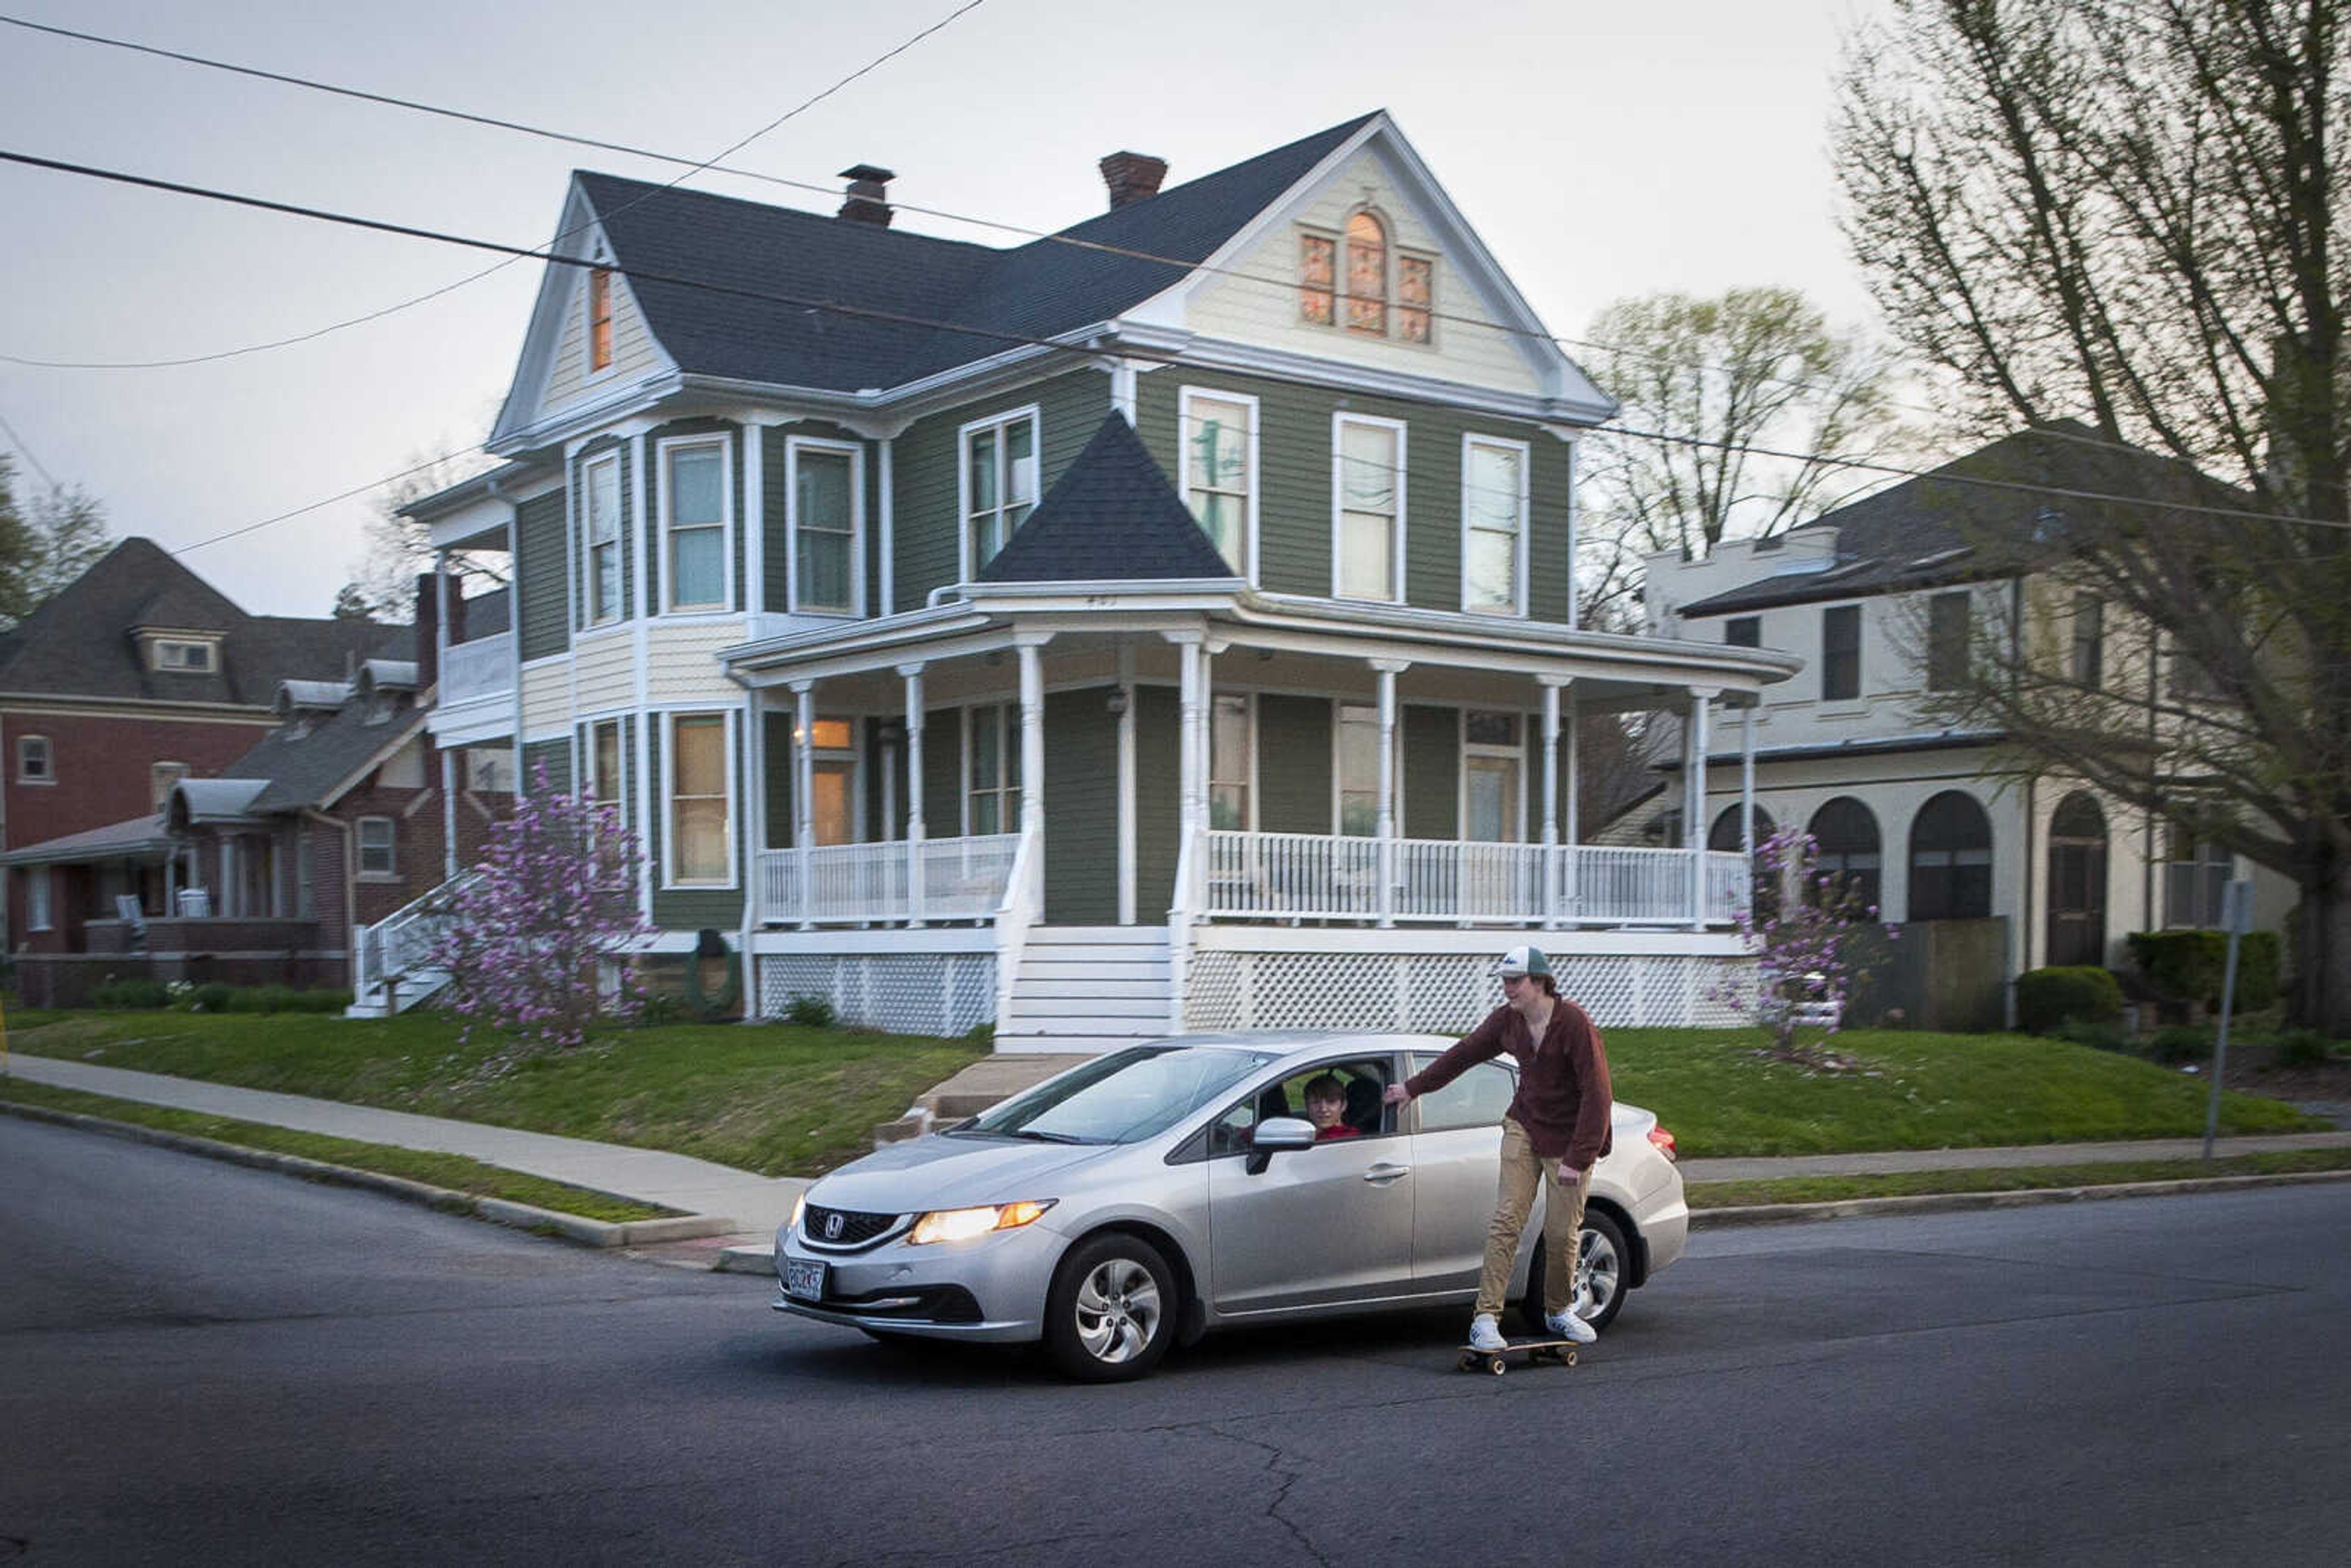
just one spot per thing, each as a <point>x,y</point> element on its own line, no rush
<point>1316,876</point>
<point>958,879</point>
<point>481,668</point>
<point>399,947</point>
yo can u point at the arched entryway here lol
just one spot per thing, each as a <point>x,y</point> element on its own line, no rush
<point>1950,859</point>
<point>1851,852</point>
<point>1725,836</point>
<point>2077,881</point>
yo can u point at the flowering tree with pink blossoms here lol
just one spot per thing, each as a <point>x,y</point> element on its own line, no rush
<point>551,907</point>
<point>1807,947</point>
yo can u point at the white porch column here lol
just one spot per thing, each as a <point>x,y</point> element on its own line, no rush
<point>1125,784</point>
<point>803,791</point>
<point>1574,892</point>
<point>1032,756</point>
<point>1190,810</point>
<point>1384,857</point>
<point>439,677</point>
<point>913,675</point>
<point>1552,686</point>
<point>887,545</point>
<point>1746,781</point>
<point>1694,800</point>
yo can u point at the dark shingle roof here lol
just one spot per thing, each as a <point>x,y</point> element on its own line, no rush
<point>304,765</point>
<point>1113,516</point>
<point>1033,290</point>
<point>1945,526</point>
<point>81,642</point>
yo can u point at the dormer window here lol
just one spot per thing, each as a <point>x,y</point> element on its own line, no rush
<point>182,656</point>
<point>1388,293</point>
<point>599,318</point>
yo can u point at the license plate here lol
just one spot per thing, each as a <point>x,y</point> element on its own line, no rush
<point>804,1280</point>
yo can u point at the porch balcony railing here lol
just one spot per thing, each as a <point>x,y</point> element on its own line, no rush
<point>1317,876</point>
<point>832,884</point>
<point>482,668</point>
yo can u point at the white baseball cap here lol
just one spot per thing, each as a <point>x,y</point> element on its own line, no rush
<point>1522,961</point>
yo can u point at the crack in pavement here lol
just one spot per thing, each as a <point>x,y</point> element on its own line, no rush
<point>1275,1463</point>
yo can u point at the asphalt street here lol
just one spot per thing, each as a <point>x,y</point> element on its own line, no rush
<point>204,1364</point>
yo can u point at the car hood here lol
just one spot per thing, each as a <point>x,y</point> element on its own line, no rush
<point>940,1172</point>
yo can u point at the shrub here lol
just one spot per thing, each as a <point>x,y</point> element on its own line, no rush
<point>810,1012</point>
<point>2302,1048</point>
<point>2079,994</point>
<point>129,995</point>
<point>212,997</point>
<point>2188,966</point>
<point>2096,1036</point>
<point>2181,1042</point>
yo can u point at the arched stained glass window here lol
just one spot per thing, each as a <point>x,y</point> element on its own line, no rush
<point>1367,276</point>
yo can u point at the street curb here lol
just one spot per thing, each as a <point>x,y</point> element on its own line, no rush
<point>2019,1197</point>
<point>746,1260</point>
<point>498,1210</point>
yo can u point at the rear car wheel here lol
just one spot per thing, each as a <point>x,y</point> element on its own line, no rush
<point>1113,1310</point>
<point>1603,1268</point>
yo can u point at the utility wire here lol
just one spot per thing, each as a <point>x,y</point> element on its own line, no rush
<point>1079,350</point>
<point>693,166</point>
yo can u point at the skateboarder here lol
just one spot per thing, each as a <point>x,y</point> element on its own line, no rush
<point>1557,1127</point>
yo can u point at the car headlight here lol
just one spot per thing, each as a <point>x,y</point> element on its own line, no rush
<point>963,1223</point>
<point>799,1206</point>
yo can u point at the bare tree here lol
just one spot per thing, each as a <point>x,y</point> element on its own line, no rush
<point>1701,382</point>
<point>46,540</point>
<point>398,548</point>
<point>2126,211</point>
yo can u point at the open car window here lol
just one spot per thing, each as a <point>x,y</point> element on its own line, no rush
<point>1362,1082</point>
<point>1476,1099</point>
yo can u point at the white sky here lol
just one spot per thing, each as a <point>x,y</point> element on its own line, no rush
<point>1599,153</point>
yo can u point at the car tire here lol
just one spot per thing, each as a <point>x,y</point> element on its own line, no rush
<point>1604,1268</point>
<point>1112,1311</point>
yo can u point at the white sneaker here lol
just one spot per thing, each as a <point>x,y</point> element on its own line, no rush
<point>1486,1333</point>
<point>1567,1325</point>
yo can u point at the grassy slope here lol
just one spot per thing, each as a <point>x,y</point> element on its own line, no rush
<point>778,1100</point>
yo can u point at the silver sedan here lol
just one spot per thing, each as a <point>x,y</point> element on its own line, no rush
<point>1142,1199</point>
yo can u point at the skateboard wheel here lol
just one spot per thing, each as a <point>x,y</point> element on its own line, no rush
<point>1497,1366</point>
<point>1568,1356</point>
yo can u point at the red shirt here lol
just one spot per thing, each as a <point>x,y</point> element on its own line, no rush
<point>1563,1100</point>
<point>1336,1131</point>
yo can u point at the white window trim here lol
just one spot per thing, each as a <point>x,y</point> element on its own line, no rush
<point>965,566</point>
<point>1339,422</point>
<point>1517,607</point>
<point>589,372</point>
<point>210,653</point>
<point>1396,306</point>
<point>40,908</point>
<point>590,619</point>
<point>670,879</point>
<point>1184,427</point>
<point>725,442</point>
<point>1487,751</point>
<point>48,773</point>
<point>1007,749</point>
<point>1338,763</point>
<point>359,849</point>
<point>1249,782</point>
<point>1337,285</point>
<point>619,796</point>
<point>793,446</point>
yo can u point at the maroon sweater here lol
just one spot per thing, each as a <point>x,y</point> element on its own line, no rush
<point>1564,1100</point>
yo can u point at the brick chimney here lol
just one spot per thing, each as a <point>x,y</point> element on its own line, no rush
<point>1131,177</point>
<point>869,194</point>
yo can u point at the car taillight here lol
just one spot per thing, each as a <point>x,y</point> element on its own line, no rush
<point>1663,1142</point>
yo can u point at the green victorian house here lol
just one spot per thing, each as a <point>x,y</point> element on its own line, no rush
<point>1167,625</point>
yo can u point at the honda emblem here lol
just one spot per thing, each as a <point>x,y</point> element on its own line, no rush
<point>832,1228</point>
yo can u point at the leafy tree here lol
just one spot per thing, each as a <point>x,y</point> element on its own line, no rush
<point>47,541</point>
<point>2126,212</point>
<point>1753,367</point>
<point>551,909</point>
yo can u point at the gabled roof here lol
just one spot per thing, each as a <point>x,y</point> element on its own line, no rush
<point>136,837</point>
<point>1112,516</point>
<point>1941,527</point>
<point>1038,289</point>
<point>81,642</point>
<point>297,766</point>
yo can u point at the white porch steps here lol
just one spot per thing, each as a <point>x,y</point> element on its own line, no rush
<point>1087,988</point>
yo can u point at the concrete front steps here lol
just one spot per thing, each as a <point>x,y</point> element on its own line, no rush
<point>1087,989</point>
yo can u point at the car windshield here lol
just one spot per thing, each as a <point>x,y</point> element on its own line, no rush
<point>1126,1096</point>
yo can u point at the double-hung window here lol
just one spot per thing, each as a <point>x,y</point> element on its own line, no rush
<point>1220,471</point>
<point>697,516</point>
<point>992,745</point>
<point>1946,640</point>
<point>699,853</point>
<point>1230,762</point>
<point>2089,660</point>
<point>1367,473</point>
<point>599,319</point>
<point>33,763</point>
<point>1840,654</point>
<point>604,762</point>
<point>999,484</point>
<point>1493,526</point>
<point>599,527</point>
<point>37,898</point>
<point>379,857</point>
<point>1359,770</point>
<point>827,513</point>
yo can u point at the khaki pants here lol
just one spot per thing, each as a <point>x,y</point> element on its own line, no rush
<point>1562,1220</point>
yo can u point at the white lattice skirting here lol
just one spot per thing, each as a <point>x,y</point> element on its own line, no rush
<point>1431,993</point>
<point>905,993</point>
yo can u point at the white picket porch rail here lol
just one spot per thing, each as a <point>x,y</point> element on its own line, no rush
<point>393,969</point>
<point>1317,876</point>
<point>881,883</point>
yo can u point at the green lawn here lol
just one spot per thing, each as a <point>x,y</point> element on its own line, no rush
<point>778,1100</point>
<point>2008,1179</point>
<point>1914,1090</point>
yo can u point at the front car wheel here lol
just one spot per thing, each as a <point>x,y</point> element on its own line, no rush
<point>1603,1267</point>
<point>1113,1310</point>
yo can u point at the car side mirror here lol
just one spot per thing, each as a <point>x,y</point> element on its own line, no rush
<point>1274,1135</point>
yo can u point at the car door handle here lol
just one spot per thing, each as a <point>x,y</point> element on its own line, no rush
<point>1382,1174</point>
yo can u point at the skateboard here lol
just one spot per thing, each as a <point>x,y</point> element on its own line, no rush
<point>1537,1350</point>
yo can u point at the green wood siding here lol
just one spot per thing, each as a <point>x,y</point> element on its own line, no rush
<point>556,755</point>
<point>1294,767</point>
<point>1069,409</point>
<point>1432,772</point>
<point>735,468</point>
<point>1158,784</point>
<point>543,577</point>
<point>1080,808</point>
<point>576,547</point>
<point>1294,433</point>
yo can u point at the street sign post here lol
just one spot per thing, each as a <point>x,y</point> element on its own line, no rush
<point>2236,918</point>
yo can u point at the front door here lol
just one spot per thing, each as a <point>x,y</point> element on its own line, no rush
<point>1456,1160</point>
